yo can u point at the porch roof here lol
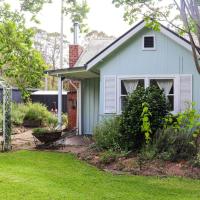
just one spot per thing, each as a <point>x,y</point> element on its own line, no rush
<point>73,73</point>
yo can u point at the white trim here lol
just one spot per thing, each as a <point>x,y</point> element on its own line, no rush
<point>104,100</point>
<point>175,38</point>
<point>177,94</point>
<point>79,108</point>
<point>132,33</point>
<point>116,45</point>
<point>149,48</point>
<point>147,78</point>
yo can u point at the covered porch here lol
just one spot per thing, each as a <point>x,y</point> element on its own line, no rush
<point>86,84</point>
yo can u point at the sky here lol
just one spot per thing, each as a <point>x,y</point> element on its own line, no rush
<point>103,16</point>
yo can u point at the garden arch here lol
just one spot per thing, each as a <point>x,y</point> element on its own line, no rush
<point>6,115</point>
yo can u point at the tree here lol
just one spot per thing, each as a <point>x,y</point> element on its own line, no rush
<point>76,10</point>
<point>185,17</point>
<point>20,63</point>
<point>49,46</point>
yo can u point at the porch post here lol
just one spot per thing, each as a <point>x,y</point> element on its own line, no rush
<point>79,109</point>
<point>60,102</point>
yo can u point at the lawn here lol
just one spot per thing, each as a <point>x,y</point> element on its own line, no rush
<point>27,175</point>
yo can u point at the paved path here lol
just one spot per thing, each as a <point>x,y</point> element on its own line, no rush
<point>22,140</point>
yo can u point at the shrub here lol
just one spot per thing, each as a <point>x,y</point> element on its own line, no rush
<point>18,113</point>
<point>110,156</point>
<point>38,112</point>
<point>131,119</point>
<point>107,135</point>
<point>188,121</point>
<point>174,145</point>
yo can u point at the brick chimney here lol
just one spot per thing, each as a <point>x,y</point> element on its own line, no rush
<point>75,51</point>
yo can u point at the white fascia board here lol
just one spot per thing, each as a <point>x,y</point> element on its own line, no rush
<point>116,45</point>
<point>176,38</point>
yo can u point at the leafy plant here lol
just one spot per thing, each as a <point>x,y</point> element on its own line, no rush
<point>38,112</point>
<point>110,156</point>
<point>107,135</point>
<point>134,121</point>
<point>146,125</point>
<point>18,113</point>
<point>174,145</point>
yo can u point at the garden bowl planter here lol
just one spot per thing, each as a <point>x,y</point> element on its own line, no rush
<point>48,136</point>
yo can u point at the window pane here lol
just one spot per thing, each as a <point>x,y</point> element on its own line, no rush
<point>128,86</point>
<point>172,90</point>
<point>171,102</point>
<point>123,89</point>
<point>148,42</point>
<point>141,83</point>
<point>154,83</point>
<point>123,102</point>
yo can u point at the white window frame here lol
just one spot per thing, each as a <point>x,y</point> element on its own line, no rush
<point>147,78</point>
<point>149,48</point>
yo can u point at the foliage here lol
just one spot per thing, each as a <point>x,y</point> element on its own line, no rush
<point>131,120</point>
<point>188,121</point>
<point>44,130</point>
<point>33,111</point>
<point>49,46</point>
<point>110,156</point>
<point>20,63</point>
<point>106,134</point>
<point>174,145</point>
<point>147,152</point>
<point>18,112</point>
<point>39,112</point>
<point>77,11</point>
<point>146,125</point>
<point>196,161</point>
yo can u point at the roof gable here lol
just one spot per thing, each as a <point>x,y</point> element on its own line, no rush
<point>130,33</point>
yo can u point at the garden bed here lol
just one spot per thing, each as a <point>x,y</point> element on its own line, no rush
<point>132,164</point>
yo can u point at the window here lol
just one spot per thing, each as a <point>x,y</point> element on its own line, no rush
<point>130,85</point>
<point>127,87</point>
<point>167,85</point>
<point>148,43</point>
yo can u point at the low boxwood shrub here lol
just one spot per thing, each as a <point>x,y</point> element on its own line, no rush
<point>131,123</point>
<point>107,135</point>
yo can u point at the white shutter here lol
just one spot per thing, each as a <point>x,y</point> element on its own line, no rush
<point>185,91</point>
<point>110,94</point>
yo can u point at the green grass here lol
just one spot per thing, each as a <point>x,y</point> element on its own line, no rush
<point>26,175</point>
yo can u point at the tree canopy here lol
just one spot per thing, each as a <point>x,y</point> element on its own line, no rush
<point>20,63</point>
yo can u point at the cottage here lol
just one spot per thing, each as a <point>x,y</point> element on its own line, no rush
<point>108,70</point>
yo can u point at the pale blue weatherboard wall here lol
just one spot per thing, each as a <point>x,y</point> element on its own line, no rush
<point>90,104</point>
<point>168,58</point>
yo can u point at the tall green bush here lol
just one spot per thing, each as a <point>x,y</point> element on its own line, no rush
<point>131,123</point>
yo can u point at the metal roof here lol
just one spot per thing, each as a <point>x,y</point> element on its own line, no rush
<point>92,49</point>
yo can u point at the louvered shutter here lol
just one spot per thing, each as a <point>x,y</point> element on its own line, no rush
<point>185,91</point>
<point>110,94</point>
